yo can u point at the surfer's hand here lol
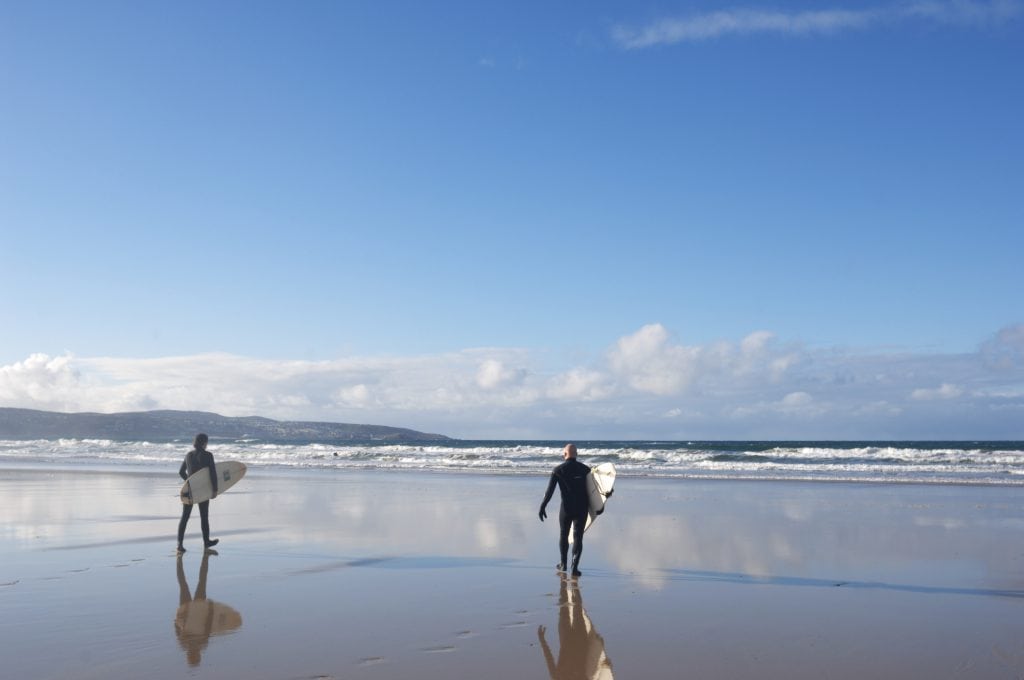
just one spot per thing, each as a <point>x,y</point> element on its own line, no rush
<point>609,494</point>
<point>543,515</point>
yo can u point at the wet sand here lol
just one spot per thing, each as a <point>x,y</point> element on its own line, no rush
<point>323,574</point>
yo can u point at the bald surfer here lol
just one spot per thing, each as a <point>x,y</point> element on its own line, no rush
<point>571,478</point>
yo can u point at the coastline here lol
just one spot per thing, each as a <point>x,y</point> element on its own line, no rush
<point>387,574</point>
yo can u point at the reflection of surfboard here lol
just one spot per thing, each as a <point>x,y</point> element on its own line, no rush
<point>600,483</point>
<point>198,488</point>
<point>206,618</point>
<point>596,665</point>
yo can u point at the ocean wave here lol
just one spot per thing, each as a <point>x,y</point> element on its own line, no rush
<point>971,463</point>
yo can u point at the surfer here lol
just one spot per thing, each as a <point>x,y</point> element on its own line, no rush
<point>571,478</point>
<point>195,460</point>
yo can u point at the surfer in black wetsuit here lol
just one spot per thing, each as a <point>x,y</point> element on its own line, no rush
<point>571,478</point>
<point>195,460</point>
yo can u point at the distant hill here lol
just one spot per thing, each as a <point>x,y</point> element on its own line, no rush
<point>17,423</point>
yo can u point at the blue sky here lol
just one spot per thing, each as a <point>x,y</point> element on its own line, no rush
<point>519,219</point>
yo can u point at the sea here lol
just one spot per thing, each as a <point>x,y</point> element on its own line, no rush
<point>886,462</point>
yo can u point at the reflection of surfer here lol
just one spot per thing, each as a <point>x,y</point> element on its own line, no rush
<point>571,478</point>
<point>194,621</point>
<point>580,647</point>
<point>198,618</point>
<point>197,459</point>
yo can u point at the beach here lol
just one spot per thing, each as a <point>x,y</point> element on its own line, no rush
<point>398,574</point>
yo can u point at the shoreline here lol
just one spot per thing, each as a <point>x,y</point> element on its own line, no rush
<point>147,469</point>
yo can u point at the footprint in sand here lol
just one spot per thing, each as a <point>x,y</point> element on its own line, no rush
<point>78,571</point>
<point>463,634</point>
<point>9,583</point>
<point>514,624</point>
<point>440,649</point>
<point>371,660</point>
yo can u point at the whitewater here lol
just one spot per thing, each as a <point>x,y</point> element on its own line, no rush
<point>980,462</point>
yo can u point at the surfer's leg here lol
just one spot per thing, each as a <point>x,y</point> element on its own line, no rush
<point>204,520</point>
<point>578,525</point>
<point>186,510</point>
<point>564,524</point>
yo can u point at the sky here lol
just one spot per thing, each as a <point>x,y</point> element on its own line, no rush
<point>618,220</point>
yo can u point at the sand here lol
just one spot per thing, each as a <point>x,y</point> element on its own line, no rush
<point>322,574</point>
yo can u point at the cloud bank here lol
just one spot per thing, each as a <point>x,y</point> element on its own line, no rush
<point>645,385</point>
<point>747,21</point>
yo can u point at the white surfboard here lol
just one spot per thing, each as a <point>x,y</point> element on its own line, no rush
<point>198,487</point>
<point>600,482</point>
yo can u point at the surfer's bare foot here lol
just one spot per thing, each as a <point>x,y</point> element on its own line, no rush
<point>560,566</point>
<point>181,550</point>
<point>576,573</point>
<point>210,544</point>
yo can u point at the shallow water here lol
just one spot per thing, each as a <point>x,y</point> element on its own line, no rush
<point>369,574</point>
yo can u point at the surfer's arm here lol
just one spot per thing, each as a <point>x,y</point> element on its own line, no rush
<point>184,469</point>
<point>213,475</point>
<point>547,497</point>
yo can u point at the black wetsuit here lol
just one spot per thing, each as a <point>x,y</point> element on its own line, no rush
<point>197,460</point>
<point>571,478</point>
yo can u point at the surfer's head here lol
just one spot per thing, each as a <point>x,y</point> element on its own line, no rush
<point>569,451</point>
<point>200,441</point>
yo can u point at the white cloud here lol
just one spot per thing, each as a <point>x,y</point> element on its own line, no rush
<point>962,12</point>
<point>356,396</point>
<point>647,384</point>
<point>1005,351</point>
<point>800,405</point>
<point>40,380</point>
<point>796,400</point>
<point>756,342</point>
<point>580,384</point>
<point>493,374</point>
<point>945,391</point>
<point>746,21</point>
<point>648,362</point>
<point>739,21</point>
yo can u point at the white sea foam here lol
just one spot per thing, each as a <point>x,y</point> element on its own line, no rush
<point>889,462</point>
